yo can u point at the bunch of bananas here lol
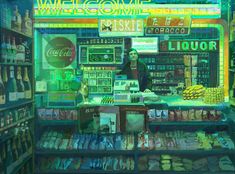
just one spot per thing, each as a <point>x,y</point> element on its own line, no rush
<point>193,92</point>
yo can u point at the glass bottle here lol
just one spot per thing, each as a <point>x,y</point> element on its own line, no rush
<point>27,24</point>
<point>20,55</point>
<point>14,150</point>
<point>5,77</point>
<point>2,90</point>
<point>20,85</point>
<point>11,92</point>
<point>9,153</point>
<point>16,19</point>
<point>8,49</point>
<point>13,49</point>
<point>3,49</point>
<point>27,84</point>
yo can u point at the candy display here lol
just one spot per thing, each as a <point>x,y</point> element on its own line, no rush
<point>182,164</point>
<point>181,140</point>
<point>214,95</point>
<point>184,115</point>
<point>63,141</point>
<point>57,114</point>
<point>107,163</point>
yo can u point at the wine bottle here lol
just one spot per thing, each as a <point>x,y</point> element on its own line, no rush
<point>20,55</point>
<point>13,49</point>
<point>23,140</point>
<point>20,85</point>
<point>9,154</point>
<point>2,90</point>
<point>29,138</point>
<point>3,49</point>
<point>27,84</point>
<point>11,92</point>
<point>5,77</point>
<point>16,19</point>
<point>8,50</point>
<point>19,146</point>
<point>27,24</point>
<point>14,149</point>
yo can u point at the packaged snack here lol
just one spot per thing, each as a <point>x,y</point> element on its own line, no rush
<point>185,115</point>
<point>205,115</point>
<point>151,114</point>
<point>198,114</point>
<point>211,115</point>
<point>164,115</point>
<point>191,114</point>
<point>171,116</point>
<point>178,114</point>
<point>158,115</point>
<point>55,115</point>
<point>218,115</point>
<point>41,113</point>
<point>48,114</point>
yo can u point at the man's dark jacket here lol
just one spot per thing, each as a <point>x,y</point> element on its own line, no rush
<point>144,78</point>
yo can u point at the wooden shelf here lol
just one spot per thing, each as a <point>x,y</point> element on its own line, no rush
<point>16,32</point>
<point>16,104</point>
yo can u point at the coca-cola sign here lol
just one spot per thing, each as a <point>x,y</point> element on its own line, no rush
<point>59,51</point>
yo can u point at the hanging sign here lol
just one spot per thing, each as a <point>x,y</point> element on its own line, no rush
<point>189,45</point>
<point>171,25</point>
<point>59,51</point>
<point>121,27</point>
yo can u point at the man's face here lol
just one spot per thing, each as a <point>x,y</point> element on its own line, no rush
<point>133,55</point>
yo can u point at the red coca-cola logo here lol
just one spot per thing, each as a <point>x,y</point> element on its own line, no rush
<point>60,52</point>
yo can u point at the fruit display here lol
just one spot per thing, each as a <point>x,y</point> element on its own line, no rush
<point>214,95</point>
<point>193,92</point>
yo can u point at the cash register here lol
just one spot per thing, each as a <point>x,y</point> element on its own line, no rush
<point>126,91</point>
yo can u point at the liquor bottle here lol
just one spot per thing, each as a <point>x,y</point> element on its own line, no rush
<point>13,49</point>
<point>19,145</point>
<point>23,140</point>
<point>27,24</point>
<point>9,154</point>
<point>11,90</point>
<point>5,77</point>
<point>29,138</point>
<point>2,90</point>
<point>27,84</point>
<point>3,49</point>
<point>27,51</point>
<point>16,19</point>
<point>14,149</point>
<point>20,85</point>
<point>20,55</point>
<point>8,49</point>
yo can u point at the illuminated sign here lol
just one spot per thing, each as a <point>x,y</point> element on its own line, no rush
<point>189,45</point>
<point>150,44</point>
<point>59,51</point>
<point>171,25</point>
<point>121,27</point>
<point>99,8</point>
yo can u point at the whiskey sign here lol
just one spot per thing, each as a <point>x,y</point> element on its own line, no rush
<point>172,25</point>
<point>121,27</point>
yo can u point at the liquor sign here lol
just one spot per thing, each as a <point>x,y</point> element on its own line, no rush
<point>189,45</point>
<point>172,25</point>
<point>121,27</point>
<point>59,51</point>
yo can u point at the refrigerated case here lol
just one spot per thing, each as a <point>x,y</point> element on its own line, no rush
<point>185,48</point>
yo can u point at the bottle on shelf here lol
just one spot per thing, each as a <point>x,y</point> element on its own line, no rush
<point>11,89</point>
<point>13,49</point>
<point>2,90</point>
<point>20,55</point>
<point>20,85</point>
<point>8,49</point>
<point>3,49</point>
<point>14,150</point>
<point>19,145</point>
<point>28,137</point>
<point>9,153</point>
<point>5,77</point>
<point>23,139</point>
<point>16,19</point>
<point>27,51</point>
<point>27,84</point>
<point>27,24</point>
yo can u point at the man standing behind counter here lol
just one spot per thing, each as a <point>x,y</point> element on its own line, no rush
<point>135,69</point>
